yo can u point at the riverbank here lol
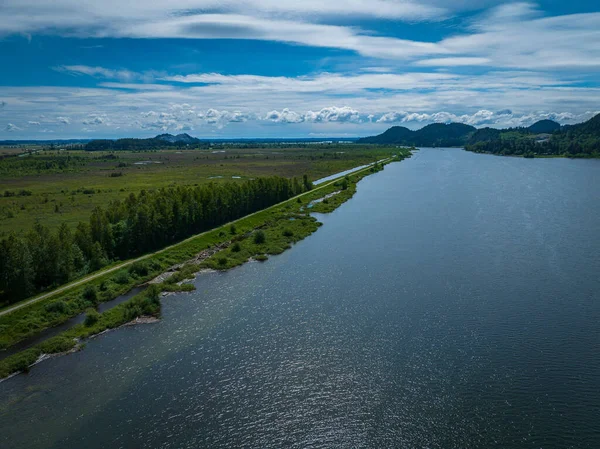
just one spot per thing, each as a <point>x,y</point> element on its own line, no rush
<point>256,236</point>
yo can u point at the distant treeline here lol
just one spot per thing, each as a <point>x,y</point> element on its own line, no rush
<point>582,140</point>
<point>141,223</point>
<point>130,144</point>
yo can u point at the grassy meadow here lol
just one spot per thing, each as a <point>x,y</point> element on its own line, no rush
<point>55,186</point>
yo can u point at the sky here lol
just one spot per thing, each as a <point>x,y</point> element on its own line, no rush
<point>292,68</point>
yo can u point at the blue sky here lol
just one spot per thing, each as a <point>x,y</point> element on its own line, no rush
<point>277,68</point>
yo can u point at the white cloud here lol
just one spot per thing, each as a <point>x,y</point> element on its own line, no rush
<point>285,116</point>
<point>333,114</point>
<point>249,105</point>
<point>103,72</point>
<point>11,128</point>
<point>515,35</point>
<point>33,123</point>
<point>330,114</point>
<point>453,62</point>
<point>482,118</point>
<point>95,119</point>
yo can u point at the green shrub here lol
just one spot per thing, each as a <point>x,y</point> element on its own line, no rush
<point>236,247</point>
<point>91,318</point>
<point>90,293</point>
<point>56,307</point>
<point>288,233</point>
<point>261,257</point>
<point>121,278</point>
<point>259,237</point>
<point>232,229</point>
<point>139,269</point>
<point>222,261</point>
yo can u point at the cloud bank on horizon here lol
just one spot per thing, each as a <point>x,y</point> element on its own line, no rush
<point>267,68</point>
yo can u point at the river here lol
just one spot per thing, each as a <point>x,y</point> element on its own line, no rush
<point>454,302</point>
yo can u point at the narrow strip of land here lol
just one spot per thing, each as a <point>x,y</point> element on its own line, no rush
<point>132,261</point>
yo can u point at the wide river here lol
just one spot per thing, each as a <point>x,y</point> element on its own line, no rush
<point>454,302</point>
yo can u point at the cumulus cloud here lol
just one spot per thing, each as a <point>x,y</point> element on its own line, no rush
<point>482,118</point>
<point>95,119</point>
<point>334,114</point>
<point>11,128</point>
<point>63,120</point>
<point>285,116</point>
<point>330,114</point>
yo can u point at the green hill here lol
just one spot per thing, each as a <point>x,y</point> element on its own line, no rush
<point>544,127</point>
<point>434,135</point>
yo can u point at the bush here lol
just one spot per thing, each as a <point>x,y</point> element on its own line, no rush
<point>222,261</point>
<point>261,257</point>
<point>288,233</point>
<point>139,269</point>
<point>121,278</point>
<point>232,229</point>
<point>236,247</point>
<point>91,318</point>
<point>56,307</point>
<point>89,293</point>
<point>259,237</point>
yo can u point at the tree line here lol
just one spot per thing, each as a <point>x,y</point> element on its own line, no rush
<point>581,140</point>
<point>556,145</point>
<point>140,223</point>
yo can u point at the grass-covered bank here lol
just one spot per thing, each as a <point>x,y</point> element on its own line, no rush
<point>257,236</point>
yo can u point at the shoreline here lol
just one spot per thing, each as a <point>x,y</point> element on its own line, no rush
<point>277,224</point>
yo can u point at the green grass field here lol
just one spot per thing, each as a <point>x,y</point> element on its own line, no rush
<point>65,186</point>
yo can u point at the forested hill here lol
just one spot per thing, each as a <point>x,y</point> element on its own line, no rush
<point>434,135</point>
<point>160,141</point>
<point>544,137</point>
<point>581,140</point>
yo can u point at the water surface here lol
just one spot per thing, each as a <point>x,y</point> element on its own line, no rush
<point>452,303</point>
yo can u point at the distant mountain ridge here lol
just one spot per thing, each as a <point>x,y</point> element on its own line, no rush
<point>544,126</point>
<point>160,141</point>
<point>436,134</point>
<point>179,138</point>
<point>448,134</point>
<point>544,137</point>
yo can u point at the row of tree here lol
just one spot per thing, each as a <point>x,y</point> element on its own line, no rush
<point>589,147</point>
<point>141,223</point>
